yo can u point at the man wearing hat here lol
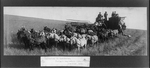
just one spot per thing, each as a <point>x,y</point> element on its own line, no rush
<point>113,14</point>
<point>99,17</point>
<point>105,15</point>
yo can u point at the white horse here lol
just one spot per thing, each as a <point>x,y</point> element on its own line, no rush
<point>92,39</point>
<point>81,41</point>
<point>53,39</point>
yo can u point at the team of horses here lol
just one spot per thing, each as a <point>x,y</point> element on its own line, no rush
<point>70,37</point>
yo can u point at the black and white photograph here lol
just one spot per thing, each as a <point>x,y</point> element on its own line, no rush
<point>75,31</point>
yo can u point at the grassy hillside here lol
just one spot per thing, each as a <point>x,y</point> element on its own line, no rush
<point>136,45</point>
<point>12,23</point>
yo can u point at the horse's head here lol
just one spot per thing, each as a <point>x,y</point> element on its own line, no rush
<point>22,28</point>
<point>88,37</point>
<point>42,34</point>
<point>54,30</point>
<point>83,30</point>
<point>74,34</point>
<point>20,34</point>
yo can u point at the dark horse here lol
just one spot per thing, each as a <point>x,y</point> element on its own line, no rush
<point>40,41</point>
<point>24,37</point>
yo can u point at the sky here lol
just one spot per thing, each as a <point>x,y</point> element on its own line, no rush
<point>136,17</point>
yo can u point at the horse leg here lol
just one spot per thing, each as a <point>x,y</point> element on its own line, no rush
<point>41,45</point>
<point>69,47</point>
<point>95,43</point>
<point>59,45</point>
<point>79,50</point>
<point>30,46</point>
<point>84,47</point>
<point>55,45</point>
<point>65,46</point>
<point>47,43</point>
<point>26,44</point>
<point>44,46</point>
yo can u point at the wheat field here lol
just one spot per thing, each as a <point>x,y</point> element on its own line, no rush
<point>118,46</point>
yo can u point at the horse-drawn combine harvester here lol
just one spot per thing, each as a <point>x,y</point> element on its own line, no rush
<point>75,34</point>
